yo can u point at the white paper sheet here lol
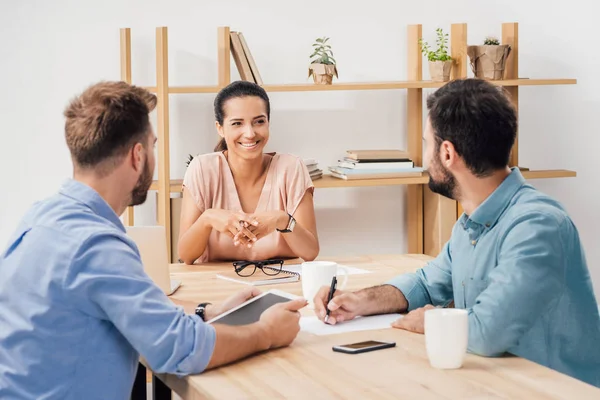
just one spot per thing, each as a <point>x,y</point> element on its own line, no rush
<point>315,326</point>
<point>351,270</point>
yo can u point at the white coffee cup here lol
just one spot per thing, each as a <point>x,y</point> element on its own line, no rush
<point>446,337</point>
<point>316,274</point>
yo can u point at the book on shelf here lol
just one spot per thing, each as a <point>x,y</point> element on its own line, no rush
<point>243,58</point>
<point>377,154</point>
<point>353,174</point>
<point>259,278</point>
<point>318,174</point>
<point>375,164</point>
<point>312,166</point>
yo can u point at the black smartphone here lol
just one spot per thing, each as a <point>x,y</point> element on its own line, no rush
<point>363,347</point>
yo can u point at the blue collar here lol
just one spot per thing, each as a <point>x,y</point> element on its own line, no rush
<point>491,209</point>
<point>84,194</point>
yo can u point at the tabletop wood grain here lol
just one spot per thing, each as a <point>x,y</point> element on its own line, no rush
<point>310,369</point>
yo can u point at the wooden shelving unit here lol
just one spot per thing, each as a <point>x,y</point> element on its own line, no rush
<point>299,87</point>
<point>329,181</point>
<point>429,217</point>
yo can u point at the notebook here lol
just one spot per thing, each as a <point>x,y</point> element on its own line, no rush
<point>260,278</point>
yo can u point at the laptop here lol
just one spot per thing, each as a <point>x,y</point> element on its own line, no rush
<point>152,244</point>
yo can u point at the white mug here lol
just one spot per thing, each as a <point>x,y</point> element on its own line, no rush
<point>320,273</point>
<point>446,337</point>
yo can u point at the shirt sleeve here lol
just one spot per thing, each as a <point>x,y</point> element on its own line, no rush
<point>298,182</point>
<point>106,280</point>
<point>431,284</point>
<point>526,282</point>
<point>193,183</point>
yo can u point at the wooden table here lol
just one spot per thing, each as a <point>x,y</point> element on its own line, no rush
<point>310,369</point>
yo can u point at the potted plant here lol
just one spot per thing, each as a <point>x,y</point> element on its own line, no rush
<point>489,59</point>
<point>322,65</point>
<point>440,62</point>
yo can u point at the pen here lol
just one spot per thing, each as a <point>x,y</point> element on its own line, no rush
<point>330,296</point>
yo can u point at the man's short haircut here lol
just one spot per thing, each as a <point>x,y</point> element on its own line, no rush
<point>105,121</point>
<point>478,118</point>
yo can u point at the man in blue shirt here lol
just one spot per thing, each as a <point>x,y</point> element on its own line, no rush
<point>514,259</point>
<point>76,308</point>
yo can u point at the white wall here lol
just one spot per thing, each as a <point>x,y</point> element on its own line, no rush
<point>52,50</point>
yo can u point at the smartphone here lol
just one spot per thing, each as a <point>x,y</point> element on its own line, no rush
<point>363,347</point>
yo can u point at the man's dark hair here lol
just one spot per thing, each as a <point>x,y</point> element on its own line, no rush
<point>479,119</point>
<point>105,121</point>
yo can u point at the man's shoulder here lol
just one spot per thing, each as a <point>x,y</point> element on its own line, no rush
<point>530,204</point>
<point>72,224</point>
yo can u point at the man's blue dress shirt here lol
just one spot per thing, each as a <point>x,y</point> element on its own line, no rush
<point>77,309</point>
<point>517,265</point>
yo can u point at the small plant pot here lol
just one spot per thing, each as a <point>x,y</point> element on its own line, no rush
<point>440,70</point>
<point>322,73</point>
<point>488,61</point>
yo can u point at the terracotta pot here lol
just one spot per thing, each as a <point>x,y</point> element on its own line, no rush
<point>322,73</point>
<point>488,61</point>
<point>440,70</point>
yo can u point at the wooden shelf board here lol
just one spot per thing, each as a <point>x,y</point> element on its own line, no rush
<point>309,87</point>
<point>194,89</point>
<point>535,82</point>
<point>406,85</point>
<point>328,181</point>
<point>187,89</point>
<point>175,186</point>
<point>549,173</point>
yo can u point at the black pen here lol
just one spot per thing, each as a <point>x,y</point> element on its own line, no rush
<point>331,292</point>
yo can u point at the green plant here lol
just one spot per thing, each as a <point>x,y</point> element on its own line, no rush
<point>441,54</point>
<point>322,53</point>
<point>491,41</point>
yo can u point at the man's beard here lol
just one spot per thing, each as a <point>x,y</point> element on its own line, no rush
<point>140,191</point>
<point>446,186</point>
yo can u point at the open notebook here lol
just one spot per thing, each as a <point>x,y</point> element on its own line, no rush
<point>260,278</point>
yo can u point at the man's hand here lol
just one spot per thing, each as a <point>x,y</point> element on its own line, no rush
<point>344,306</point>
<point>231,302</point>
<point>281,322</point>
<point>414,321</point>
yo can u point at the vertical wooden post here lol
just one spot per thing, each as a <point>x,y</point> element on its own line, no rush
<point>415,142</point>
<point>458,50</point>
<point>224,55</point>
<point>126,77</point>
<point>440,213</point>
<point>458,38</point>
<point>510,35</point>
<point>162,92</point>
<point>126,55</point>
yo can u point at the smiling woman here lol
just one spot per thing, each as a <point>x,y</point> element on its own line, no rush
<point>240,203</point>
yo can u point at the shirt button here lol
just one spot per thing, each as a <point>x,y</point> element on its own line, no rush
<point>473,242</point>
<point>487,225</point>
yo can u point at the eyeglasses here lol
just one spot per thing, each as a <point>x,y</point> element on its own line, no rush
<point>248,268</point>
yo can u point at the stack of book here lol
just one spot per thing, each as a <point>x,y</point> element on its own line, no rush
<point>313,168</point>
<point>243,58</point>
<point>375,164</point>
